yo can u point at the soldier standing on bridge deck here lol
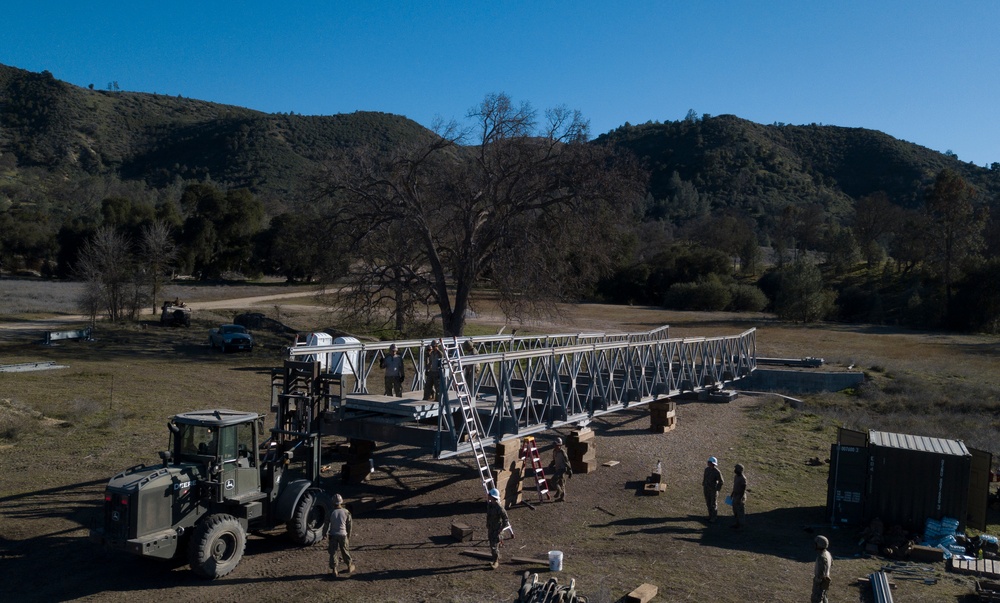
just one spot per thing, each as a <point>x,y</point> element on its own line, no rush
<point>340,536</point>
<point>711,483</point>
<point>739,497</point>
<point>496,522</point>
<point>561,470</point>
<point>433,374</point>
<point>394,374</point>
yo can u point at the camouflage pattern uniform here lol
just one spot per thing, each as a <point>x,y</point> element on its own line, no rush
<point>821,575</point>
<point>496,521</point>
<point>340,538</point>
<point>739,497</point>
<point>433,374</point>
<point>711,483</point>
<point>560,471</point>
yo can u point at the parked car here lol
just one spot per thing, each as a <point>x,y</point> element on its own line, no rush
<point>230,337</point>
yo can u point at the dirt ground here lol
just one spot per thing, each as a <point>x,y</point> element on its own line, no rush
<point>613,538</point>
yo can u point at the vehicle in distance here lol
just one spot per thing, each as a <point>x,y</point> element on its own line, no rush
<point>230,337</point>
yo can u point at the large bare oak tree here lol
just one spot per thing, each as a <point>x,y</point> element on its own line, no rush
<point>525,206</point>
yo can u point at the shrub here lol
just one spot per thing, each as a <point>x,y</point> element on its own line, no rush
<point>747,298</point>
<point>708,295</point>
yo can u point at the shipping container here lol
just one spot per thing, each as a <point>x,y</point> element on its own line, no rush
<point>913,478</point>
<point>904,480</point>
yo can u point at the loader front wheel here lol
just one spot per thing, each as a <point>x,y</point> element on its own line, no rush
<point>217,546</point>
<point>311,520</point>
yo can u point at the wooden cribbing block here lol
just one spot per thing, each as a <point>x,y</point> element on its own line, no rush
<point>478,554</point>
<point>507,452</point>
<point>583,466</point>
<point>461,532</point>
<point>654,489</point>
<point>582,435</point>
<point>643,594</point>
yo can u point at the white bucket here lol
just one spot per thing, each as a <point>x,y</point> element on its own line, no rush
<point>555,561</point>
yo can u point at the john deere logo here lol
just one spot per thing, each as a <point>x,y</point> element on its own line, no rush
<point>230,484</point>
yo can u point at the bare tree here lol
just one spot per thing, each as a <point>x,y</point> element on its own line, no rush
<point>531,211</point>
<point>107,266</point>
<point>158,255</point>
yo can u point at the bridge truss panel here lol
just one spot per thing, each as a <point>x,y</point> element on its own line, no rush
<point>524,385</point>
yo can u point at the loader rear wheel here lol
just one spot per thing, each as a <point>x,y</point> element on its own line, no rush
<point>217,546</point>
<point>311,520</point>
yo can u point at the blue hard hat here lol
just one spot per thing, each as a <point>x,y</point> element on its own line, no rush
<point>495,493</point>
<point>713,460</point>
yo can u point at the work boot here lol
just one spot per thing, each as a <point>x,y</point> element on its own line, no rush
<point>350,570</point>
<point>495,564</point>
<point>334,573</point>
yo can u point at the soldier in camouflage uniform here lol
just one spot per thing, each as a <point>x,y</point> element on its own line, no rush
<point>496,522</point>
<point>561,470</point>
<point>739,497</point>
<point>711,483</point>
<point>340,536</point>
<point>821,573</point>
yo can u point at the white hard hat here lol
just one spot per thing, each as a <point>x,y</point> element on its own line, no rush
<point>558,441</point>
<point>338,499</point>
<point>822,542</point>
<point>713,460</point>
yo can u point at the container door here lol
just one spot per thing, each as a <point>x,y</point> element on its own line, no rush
<point>979,488</point>
<point>846,484</point>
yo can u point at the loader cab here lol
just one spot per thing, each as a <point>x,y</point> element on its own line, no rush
<point>226,442</point>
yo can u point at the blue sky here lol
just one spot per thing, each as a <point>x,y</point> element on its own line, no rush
<point>923,71</point>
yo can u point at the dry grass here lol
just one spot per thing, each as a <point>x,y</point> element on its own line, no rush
<point>64,433</point>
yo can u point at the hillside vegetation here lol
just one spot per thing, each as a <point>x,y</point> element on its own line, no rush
<point>809,221</point>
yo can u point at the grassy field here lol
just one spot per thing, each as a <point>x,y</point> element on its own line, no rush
<point>64,432</point>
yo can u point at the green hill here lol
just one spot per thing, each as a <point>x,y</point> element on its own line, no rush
<point>54,133</point>
<point>65,131</point>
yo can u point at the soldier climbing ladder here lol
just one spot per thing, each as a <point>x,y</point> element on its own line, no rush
<point>529,456</point>
<point>453,355</point>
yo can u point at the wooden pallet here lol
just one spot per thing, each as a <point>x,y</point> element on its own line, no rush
<point>982,567</point>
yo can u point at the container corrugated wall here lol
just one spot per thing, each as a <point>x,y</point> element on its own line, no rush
<point>912,478</point>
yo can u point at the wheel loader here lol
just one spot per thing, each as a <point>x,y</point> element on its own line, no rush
<point>223,476</point>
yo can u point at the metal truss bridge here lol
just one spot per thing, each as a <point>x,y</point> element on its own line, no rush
<point>519,384</point>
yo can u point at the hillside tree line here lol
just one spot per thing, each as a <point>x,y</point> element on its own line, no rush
<point>523,207</point>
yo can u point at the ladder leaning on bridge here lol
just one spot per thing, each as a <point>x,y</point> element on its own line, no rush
<point>453,355</point>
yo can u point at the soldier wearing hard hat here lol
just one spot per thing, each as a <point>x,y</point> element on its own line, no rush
<point>496,522</point>
<point>821,575</point>
<point>561,470</point>
<point>340,537</point>
<point>711,483</point>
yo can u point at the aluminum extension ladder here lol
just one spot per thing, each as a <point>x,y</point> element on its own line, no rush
<point>529,457</point>
<point>453,355</point>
